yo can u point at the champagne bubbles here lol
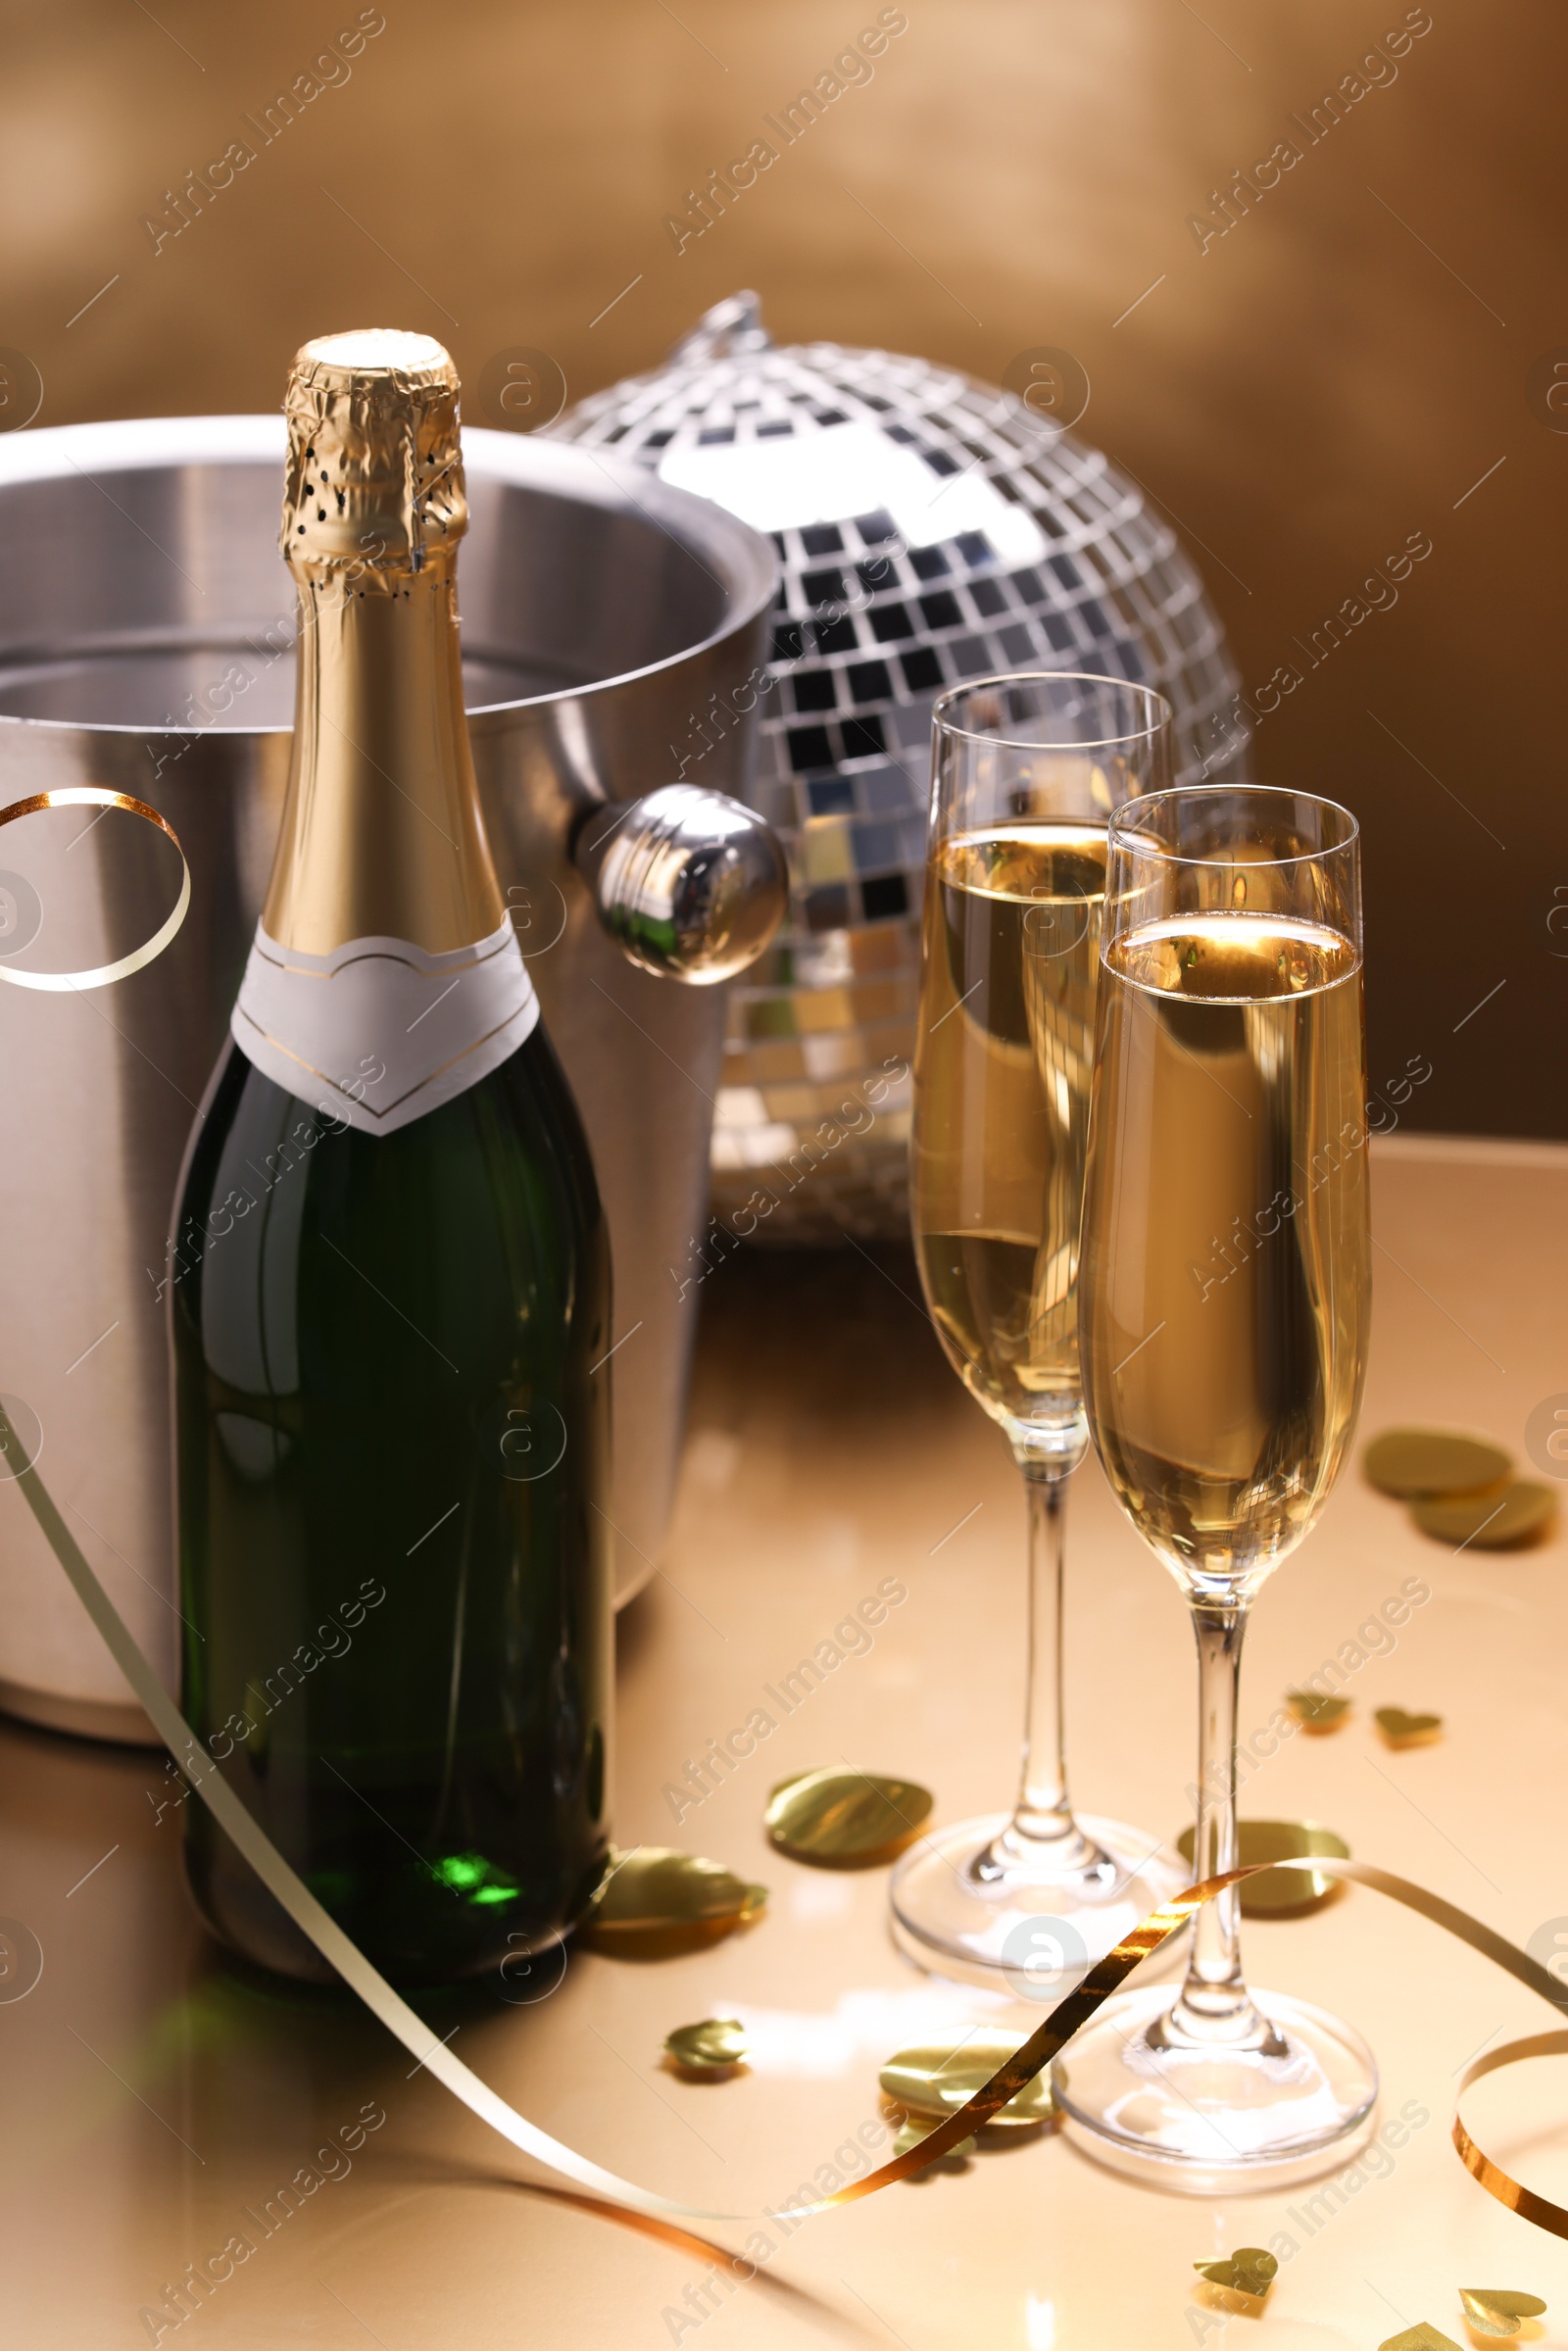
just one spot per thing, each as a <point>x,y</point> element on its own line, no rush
<point>20,390</point>
<point>21,913</point>
<point>20,1959</point>
<point>20,1437</point>
<point>521,390</point>
<point>1045,388</point>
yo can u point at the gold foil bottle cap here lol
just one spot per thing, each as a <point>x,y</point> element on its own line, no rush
<point>374,484</point>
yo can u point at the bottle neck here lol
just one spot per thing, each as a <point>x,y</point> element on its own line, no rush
<point>382,835</point>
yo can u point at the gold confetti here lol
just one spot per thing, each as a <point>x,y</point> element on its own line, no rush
<point>1315,1714</point>
<point>1406,1462</point>
<point>939,2078</point>
<point>845,1820</point>
<point>1401,1729</point>
<point>912,2131</point>
<point>1242,2283</point>
<point>1292,1892</point>
<point>1425,2337</point>
<point>1501,1520</point>
<point>1496,2310</point>
<point>711,2051</point>
<point>654,1902</point>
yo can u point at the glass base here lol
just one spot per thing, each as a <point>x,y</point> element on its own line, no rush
<point>1024,1928</point>
<point>1211,2122</point>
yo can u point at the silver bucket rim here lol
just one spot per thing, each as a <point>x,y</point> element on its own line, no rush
<point>749,571</point>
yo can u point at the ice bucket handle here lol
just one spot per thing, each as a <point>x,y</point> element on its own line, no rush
<point>691,883</point>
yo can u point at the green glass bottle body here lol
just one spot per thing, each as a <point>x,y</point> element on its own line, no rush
<point>392,1443</point>
<point>390,1292</point>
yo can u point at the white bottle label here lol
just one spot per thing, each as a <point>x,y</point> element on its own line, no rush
<point>379,1032</point>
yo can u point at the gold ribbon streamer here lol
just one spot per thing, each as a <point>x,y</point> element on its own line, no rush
<point>1492,2176</point>
<point>1111,1972</point>
<point>93,796</point>
<point>1037,2053</point>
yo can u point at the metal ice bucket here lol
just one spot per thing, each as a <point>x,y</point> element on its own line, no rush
<point>146,631</point>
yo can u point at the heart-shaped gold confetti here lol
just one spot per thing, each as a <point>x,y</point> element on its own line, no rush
<point>1315,1714</point>
<point>1293,1892</point>
<point>711,2051</point>
<point>1503,1520</point>
<point>940,2076</point>
<point>1401,1729</point>
<point>1406,1462</point>
<point>1498,2310</point>
<point>1425,2337</point>
<point>845,1820</point>
<point>654,1902</point>
<point>1245,2278</point>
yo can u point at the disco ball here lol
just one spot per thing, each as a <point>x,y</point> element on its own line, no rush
<point>932,530</point>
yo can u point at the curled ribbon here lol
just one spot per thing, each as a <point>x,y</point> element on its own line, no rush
<point>1037,2053</point>
<point>94,796</point>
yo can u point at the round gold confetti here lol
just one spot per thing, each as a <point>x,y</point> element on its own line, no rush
<point>1406,1462</point>
<point>656,1901</point>
<point>710,2051</point>
<point>1401,1729</point>
<point>920,2127</point>
<point>939,2078</point>
<point>1498,1521</point>
<point>845,1820</point>
<point>1318,1715</point>
<point>1293,1892</point>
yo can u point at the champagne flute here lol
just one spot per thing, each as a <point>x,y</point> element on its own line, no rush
<point>1026,773</point>
<point>1225,1295</point>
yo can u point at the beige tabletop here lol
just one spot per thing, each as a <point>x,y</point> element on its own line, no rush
<point>156,2103</point>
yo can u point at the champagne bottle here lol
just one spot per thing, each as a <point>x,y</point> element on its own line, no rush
<point>390,1286</point>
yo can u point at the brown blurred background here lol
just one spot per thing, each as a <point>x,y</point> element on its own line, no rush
<point>1364,356</point>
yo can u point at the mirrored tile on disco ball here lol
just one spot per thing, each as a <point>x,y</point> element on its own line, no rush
<point>928,531</point>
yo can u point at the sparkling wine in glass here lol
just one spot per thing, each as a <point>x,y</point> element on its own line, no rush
<point>1027,771</point>
<point>1224,1300</point>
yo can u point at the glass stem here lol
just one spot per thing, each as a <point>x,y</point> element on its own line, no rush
<point>1214,2003</point>
<point>1042,1822</point>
